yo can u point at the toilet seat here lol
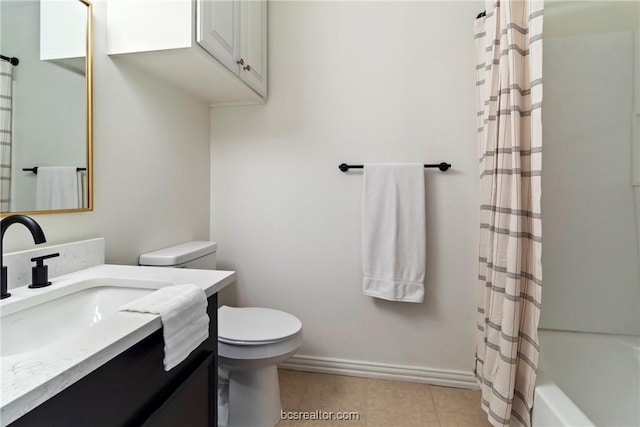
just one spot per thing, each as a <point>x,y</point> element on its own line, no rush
<point>250,326</point>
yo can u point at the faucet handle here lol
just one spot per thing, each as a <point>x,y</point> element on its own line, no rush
<point>40,259</point>
<point>40,272</point>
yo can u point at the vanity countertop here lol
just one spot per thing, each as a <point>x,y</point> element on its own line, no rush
<point>30,378</point>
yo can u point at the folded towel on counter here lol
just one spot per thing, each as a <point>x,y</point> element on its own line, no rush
<point>57,188</point>
<point>394,231</point>
<point>185,323</point>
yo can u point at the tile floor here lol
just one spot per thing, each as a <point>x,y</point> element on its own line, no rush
<point>378,402</point>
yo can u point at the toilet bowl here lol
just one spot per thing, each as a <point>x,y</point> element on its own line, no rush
<point>251,343</point>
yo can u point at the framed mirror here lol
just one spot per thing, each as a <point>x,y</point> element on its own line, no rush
<point>46,115</point>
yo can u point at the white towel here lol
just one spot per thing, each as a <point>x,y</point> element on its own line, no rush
<point>185,323</point>
<point>394,229</point>
<point>56,188</point>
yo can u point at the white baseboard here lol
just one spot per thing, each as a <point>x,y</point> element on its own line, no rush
<point>357,368</point>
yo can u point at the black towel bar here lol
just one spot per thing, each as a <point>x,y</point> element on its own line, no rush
<point>35,169</point>
<point>442,166</point>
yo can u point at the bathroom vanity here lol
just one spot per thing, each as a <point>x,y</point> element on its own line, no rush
<point>111,373</point>
<point>133,390</point>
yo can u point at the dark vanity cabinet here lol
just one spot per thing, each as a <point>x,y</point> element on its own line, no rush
<point>133,390</point>
<point>191,404</point>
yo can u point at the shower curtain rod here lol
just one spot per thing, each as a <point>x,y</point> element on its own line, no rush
<point>442,166</point>
<point>13,60</point>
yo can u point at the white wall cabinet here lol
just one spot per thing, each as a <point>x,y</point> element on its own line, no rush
<point>234,32</point>
<point>215,49</point>
<point>63,33</point>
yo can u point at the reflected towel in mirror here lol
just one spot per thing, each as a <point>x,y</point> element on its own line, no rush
<point>57,188</point>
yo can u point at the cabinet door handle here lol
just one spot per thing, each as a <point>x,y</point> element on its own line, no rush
<point>240,61</point>
<point>248,67</point>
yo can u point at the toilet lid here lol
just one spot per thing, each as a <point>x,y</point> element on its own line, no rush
<point>255,325</point>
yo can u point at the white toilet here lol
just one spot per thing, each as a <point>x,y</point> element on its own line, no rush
<point>251,342</point>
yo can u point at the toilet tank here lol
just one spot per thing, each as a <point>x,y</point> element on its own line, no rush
<point>196,254</point>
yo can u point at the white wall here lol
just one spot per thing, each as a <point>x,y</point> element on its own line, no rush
<point>353,82</point>
<point>590,255</point>
<point>151,145</point>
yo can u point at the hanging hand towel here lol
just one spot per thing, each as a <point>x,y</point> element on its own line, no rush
<point>394,223</point>
<point>56,188</point>
<point>185,323</point>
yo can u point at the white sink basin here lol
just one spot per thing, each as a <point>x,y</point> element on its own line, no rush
<point>66,315</point>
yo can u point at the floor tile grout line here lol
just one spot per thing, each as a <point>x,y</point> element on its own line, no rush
<point>307,380</point>
<point>305,390</point>
<point>435,406</point>
<point>366,402</point>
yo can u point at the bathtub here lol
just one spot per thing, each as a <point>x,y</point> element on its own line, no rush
<point>587,379</point>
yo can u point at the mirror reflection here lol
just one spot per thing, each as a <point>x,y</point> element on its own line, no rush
<point>45,114</point>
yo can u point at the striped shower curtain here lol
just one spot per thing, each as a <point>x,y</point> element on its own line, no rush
<point>6,102</point>
<point>509,95</point>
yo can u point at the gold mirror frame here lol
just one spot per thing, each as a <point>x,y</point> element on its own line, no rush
<point>89,119</point>
<point>89,82</point>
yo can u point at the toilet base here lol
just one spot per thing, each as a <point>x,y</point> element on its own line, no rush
<point>254,397</point>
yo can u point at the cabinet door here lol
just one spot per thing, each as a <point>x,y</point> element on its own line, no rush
<point>192,404</point>
<point>253,44</point>
<point>217,30</point>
